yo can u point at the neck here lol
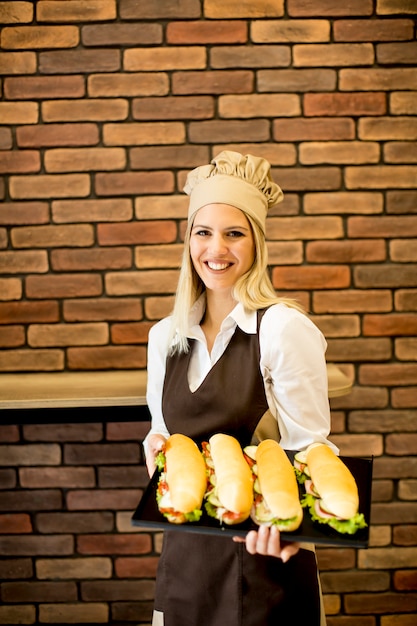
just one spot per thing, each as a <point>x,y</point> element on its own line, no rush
<point>218,307</point>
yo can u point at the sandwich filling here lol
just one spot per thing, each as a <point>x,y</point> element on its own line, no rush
<point>319,510</point>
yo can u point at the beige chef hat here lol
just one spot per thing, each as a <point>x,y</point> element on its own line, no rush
<point>244,181</point>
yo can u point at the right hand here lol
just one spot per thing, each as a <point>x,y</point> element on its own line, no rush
<point>155,445</point>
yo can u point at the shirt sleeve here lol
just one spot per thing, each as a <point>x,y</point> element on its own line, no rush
<point>157,353</point>
<point>295,374</point>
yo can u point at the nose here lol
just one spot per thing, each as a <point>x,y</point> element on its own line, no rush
<point>217,244</point>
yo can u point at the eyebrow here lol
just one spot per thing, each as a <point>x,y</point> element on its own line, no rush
<point>240,227</point>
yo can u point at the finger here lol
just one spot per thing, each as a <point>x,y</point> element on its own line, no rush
<point>251,541</point>
<point>274,543</point>
<point>289,550</point>
<point>263,540</point>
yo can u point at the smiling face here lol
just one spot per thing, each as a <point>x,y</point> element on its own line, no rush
<point>221,245</point>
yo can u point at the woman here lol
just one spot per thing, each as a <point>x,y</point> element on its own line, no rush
<point>234,358</point>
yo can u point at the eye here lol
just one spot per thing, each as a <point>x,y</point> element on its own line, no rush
<point>201,232</point>
<point>235,233</point>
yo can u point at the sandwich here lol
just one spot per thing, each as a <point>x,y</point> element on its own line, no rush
<point>183,480</point>
<point>229,495</point>
<point>276,495</point>
<point>331,493</point>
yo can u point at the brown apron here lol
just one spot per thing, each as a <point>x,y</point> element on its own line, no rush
<point>208,580</point>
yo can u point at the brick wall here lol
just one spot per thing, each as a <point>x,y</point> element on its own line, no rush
<point>104,108</point>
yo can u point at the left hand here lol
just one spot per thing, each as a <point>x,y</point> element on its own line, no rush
<point>267,541</point>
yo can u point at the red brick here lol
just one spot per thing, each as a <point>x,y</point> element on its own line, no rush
<point>319,277</point>
<point>143,282</point>
<point>353,349</point>
<point>404,397</point>
<point>86,432</point>
<point>53,523</point>
<point>144,133</point>
<point>380,603</point>
<point>49,186</point>
<point>38,37</point>
<point>333,54</point>
<point>401,202</point>
<point>65,477</point>
<point>46,135</point>
<point>121,34</point>
<point>388,374</point>
<point>16,12</point>
<point>373,30</point>
<point>135,567</point>
<point>108,309</point>
<point>11,569</point>
<point>301,179</point>
<point>9,433</point>
<point>63,286</point>
<point>136,233</point>
<point>169,157</point>
<point>103,210</point>
<point>213,82</point>
<point>15,523</point>
<point>20,213</point>
<point>94,110</point>
<point>142,10</point>
<point>103,499</point>
<point>399,444</point>
<point>174,108</point>
<point>205,32</point>
<point>53,236</point>
<point>114,544</point>
<point>396,53</point>
<point>45,87</point>
<point>313,129</point>
<point>230,130</point>
<point>348,251</point>
<point>390,325</point>
<point>6,140</point>
<point>406,580</point>
<point>17,63</point>
<point>133,333</point>
<point>304,8</point>
<point>123,476</point>
<point>133,183</point>
<point>107,358</point>
<point>344,104</point>
<point>67,260</point>
<point>10,289</point>
<point>84,159</point>
<point>12,336</point>
<point>267,31</point>
<point>76,11</point>
<point>19,112</point>
<point>377,79</point>
<point>39,591</point>
<point>122,431</point>
<point>382,275</point>
<point>24,261</point>
<point>26,312</point>
<point>165,58</point>
<point>19,162</point>
<point>406,300</point>
<point>25,545</point>
<point>254,57</point>
<point>298,80</point>
<point>128,84</point>
<point>400,152</point>
<point>79,61</point>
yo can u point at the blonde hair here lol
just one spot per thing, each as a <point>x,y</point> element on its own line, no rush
<point>254,290</point>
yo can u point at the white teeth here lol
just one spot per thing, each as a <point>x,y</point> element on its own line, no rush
<point>217,266</point>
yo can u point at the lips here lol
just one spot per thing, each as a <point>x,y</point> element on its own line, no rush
<point>217,266</point>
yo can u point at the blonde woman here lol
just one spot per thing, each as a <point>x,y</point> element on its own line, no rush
<point>235,358</point>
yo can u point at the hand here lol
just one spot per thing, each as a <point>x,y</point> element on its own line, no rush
<point>155,445</point>
<point>267,541</point>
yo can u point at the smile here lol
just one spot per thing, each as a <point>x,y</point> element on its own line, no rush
<point>217,266</point>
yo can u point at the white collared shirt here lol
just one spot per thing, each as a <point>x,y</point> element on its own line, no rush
<point>292,363</point>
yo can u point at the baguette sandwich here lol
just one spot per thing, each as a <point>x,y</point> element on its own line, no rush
<point>183,480</point>
<point>229,496</point>
<point>331,493</point>
<point>276,496</point>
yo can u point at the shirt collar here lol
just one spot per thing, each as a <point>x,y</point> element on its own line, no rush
<point>246,320</point>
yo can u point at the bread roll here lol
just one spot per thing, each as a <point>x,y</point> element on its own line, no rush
<point>278,484</point>
<point>185,473</point>
<point>333,481</point>
<point>233,476</point>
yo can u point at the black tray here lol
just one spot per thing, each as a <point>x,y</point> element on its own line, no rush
<point>147,514</point>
